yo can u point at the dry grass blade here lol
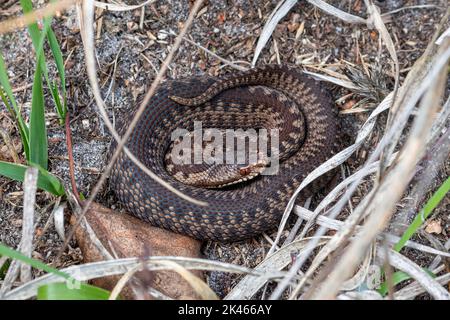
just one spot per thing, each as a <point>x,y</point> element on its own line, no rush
<point>377,21</point>
<point>437,260</point>
<point>277,14</point>
<point>29,199</point>
<point>360,295</point>
<point>344,16</point>
<point>248,286</point>
<point>333,162</point>
<point>334,224</point>
<point>123,281</point>
<point>10,277</point>
<point>361,274</point>
<point>120,7</point>
<point>95,240</point>
<point>26,243</point>
<point>200,287</point>
<point>428,283</point>
<point>421,75</point>
<point>225,61</point>
<point>414,289</point>
<point>444,35</point>
<point>441,120</point>
<point>333,194</point>
<point>339,158</point>
<point>336,241</point>
<point>46,11</point>
<point>58,218</point>
<point>94,270</point>
<point>436,156</point>
<point>420,6</point>
<point>408,95</point>
<point>392,186</point>
<point>350,222</point>
<point>336,81</point>
<point>139,294</point>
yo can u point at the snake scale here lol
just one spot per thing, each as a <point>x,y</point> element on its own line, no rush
<point>274,96</point>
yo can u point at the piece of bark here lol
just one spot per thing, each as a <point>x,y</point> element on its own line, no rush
<point>126,236</point>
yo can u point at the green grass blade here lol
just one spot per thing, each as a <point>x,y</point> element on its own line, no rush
<point>6,88</point>
<point>431,204</point>
<point>6,251</point>
<point>4,81</point>
<point>38,130</point>
<point>60,108</point>
<point>4,268</point>
<point>38,38</point>
<point>46,181</point>
<point>61,291</point>
<point>33,28</point>
<point>57,55</point>
<point>6,102</point>
<point>398,277</point>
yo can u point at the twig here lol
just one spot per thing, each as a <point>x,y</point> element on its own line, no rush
<point>71,162</point>
<point>421,6</point>
<point>28,18</point>
<point>225,61</point>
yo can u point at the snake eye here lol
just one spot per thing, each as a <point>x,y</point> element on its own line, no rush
<point>245,171</point>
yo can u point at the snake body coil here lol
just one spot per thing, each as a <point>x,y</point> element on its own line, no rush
<point>274,96</point>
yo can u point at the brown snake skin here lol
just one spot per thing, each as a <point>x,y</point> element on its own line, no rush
<point>271,96</point>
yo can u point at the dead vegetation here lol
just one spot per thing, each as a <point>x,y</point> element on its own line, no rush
<point>387,70</point>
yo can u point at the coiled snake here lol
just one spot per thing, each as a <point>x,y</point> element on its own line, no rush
<point>280,97</point>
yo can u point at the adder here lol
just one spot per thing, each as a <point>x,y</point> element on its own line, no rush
<point>242,202</point>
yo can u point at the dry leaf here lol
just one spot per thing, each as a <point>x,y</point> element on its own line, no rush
<point>434,226</point>
<point>221,17</point>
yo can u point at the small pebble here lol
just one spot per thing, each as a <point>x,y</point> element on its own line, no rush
<point>162,35</point>
<point>85,123</point>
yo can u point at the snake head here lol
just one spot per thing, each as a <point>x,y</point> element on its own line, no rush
<point>218,175</point>
<point>227,175</point>
<point>254,169</point>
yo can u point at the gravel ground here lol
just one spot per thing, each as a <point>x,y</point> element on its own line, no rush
<point>128,58</point>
